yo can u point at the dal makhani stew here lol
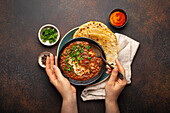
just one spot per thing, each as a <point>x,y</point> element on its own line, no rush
<point>79,61</point>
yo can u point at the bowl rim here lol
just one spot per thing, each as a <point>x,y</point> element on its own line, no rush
<point>40,56</point>
<point>121,10</point>
<point>93,79</point>
<point>46,26</point>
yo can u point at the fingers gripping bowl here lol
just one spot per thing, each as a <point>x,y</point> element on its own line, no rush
<point>79,63</point>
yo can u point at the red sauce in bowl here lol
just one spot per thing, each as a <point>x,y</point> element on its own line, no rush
<point>117,18</point>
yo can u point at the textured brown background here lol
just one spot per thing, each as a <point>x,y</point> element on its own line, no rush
<point>24,86</point>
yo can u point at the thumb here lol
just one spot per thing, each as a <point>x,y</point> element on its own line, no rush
<point>113,76</point>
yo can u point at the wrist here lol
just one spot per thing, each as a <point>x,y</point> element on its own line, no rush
<point>70,98</point>
<point>110,101</point>
<point>70,101</point>
<point>69,105</point>
<point>111,106</point>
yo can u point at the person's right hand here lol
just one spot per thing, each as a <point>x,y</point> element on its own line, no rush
<point>64,87</point>
<point>115,85</point>
<point>67,91</point>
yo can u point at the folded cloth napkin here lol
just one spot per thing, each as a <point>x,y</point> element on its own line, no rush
<point>128,48</point>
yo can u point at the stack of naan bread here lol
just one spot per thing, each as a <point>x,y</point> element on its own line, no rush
<point>103,35</point>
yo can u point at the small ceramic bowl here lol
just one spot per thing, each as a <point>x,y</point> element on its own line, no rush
<point>42,58</point>
<point>119,10</point>
<point>47,43</point>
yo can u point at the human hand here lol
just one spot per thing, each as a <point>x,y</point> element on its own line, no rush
<point>115,85</point>
<point>67,91</point>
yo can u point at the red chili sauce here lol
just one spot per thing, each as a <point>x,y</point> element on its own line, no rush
<point>80,62</point>
<point>117,18</point>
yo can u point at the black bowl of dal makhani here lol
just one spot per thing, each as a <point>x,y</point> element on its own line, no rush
<point>79,63</point>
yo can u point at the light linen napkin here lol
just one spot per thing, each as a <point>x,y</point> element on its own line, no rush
<point>128,48</point>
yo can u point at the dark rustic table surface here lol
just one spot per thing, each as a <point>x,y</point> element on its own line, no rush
<point>24,85</point>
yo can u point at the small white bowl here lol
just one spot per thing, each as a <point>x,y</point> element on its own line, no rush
<point>47,43</point>
<point>40,58</point>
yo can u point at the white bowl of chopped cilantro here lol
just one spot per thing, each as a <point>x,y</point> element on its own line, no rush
<point>48,34</point>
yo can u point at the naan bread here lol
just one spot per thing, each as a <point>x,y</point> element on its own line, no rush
<point>101,34</point>
<point>92,24</point>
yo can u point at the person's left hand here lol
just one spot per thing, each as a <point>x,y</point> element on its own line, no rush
<point>64,87</point>
<point>115,85</point>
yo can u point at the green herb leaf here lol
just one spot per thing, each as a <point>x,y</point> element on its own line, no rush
<point>70,53</point>
<point>88,47</point>
<point>68,56</point>
<point>78,58</point>
<point>74,47</point>
<point>82,45</point>
<point>72,72</point>
<point>76,64</point>
<point>44,40</point>
<point>67,51</point>
<point>69,69</point>
<point>67,64</point>
<point>74,55</point>
<point>73,59</point>
<point>50,41</point>
<point>65,68</point>
<point>89,58</point>
<point>66,60</point>
<point>77,53</point>
<point>82,50</point>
